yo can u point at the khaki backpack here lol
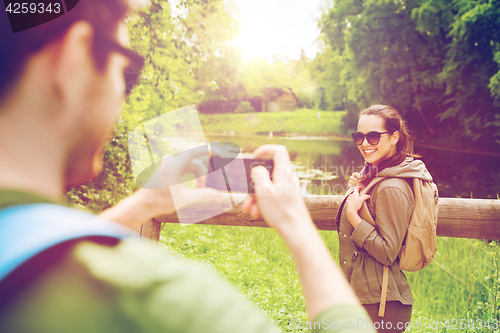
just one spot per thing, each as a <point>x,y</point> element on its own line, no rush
<point>420,242</point>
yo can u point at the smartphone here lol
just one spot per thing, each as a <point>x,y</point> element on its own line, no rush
<point>233,174</point>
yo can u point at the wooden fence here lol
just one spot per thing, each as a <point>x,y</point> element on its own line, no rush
<point>462,218</point>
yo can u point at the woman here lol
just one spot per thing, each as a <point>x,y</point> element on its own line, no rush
<point>385,144</point>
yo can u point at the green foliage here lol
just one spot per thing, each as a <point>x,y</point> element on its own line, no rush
<point>113,184</point>
<point>176,43</point>
<point>244,107</point>
<point>259,73</point>
<point>434,60</point>
<point>471,70</point>
<point>259,76</point>
<point>330,92</point>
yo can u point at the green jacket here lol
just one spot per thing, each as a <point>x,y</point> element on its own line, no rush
<point>365,250</point>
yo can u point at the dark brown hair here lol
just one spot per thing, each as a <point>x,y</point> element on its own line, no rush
<point>15,48</point>
<point>392,122</point>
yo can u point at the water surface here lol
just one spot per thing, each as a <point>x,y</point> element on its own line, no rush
<point>324,165</point>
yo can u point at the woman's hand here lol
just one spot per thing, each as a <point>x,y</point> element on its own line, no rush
<point>356,200</point>
<point>354,178</point>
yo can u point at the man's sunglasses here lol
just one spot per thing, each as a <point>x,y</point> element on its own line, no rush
<point>133,70</point>
<point>373,138</point>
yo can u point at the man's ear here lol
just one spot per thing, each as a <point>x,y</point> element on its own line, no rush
<point>395,138</point>
<point>73,64</point>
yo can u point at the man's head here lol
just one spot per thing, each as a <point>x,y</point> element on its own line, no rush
<point>64,80</point>
<point>103,15</point>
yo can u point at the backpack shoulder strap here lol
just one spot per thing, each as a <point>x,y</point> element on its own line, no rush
<point>27,230</point>
<point>365,215</point>
<point>363,211</point>
<point>374,182</point>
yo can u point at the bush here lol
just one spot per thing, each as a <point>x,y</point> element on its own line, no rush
<point>244,107</point>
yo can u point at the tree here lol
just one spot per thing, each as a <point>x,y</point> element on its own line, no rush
<point>434,60</point>
<point>176,43</point>
<point>471,70</point>
<point>226,91</point>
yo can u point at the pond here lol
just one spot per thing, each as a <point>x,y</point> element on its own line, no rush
<point>324,165</point>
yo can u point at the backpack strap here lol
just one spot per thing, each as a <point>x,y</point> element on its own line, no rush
<point>383,295</point>
<point>365,215</point>
<point>27,230</point>
<point>363,212</point>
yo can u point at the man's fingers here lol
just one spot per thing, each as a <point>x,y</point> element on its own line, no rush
<point>276,152</point>
<point>185,162</point>
<point>192,153</point>
<point>247,203</point>
<point>279,154</point>
<point>250,207</point>
<point>254,212</point>
<point>260,178</point>
<point>197,167</point>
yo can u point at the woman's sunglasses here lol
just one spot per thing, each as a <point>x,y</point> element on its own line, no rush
<point>373,138</point>
<point>133,70</point>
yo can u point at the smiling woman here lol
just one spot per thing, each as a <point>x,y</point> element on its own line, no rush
<point>379,144</point>
<point>369,253</point>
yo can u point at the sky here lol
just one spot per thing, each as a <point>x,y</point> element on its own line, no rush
<point>283,27</point>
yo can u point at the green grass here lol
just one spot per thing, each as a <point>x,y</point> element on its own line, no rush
<point>461,283</point>
<point>302,121</point>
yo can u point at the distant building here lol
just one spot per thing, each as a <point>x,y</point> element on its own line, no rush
<point>275,99</point>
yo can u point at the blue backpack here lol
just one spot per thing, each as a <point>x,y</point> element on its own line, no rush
<point>27,230</point>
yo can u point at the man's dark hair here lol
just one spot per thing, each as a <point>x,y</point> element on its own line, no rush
<point>15,48</point>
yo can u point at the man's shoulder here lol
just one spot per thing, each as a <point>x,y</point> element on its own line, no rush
<point>134,263</point>
<point>135,283</point>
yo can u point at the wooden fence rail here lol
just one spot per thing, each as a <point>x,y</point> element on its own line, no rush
<point>462,218</point>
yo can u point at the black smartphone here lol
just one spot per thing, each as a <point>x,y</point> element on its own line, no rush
<point>233,174</point>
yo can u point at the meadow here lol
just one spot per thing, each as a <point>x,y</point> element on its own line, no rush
<point>462,283</point>
<point>302,121</point>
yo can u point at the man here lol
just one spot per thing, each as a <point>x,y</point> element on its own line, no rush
<point>61,88</point>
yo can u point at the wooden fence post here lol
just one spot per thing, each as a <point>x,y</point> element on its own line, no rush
<point>463,218</point>
<point>150,230</point>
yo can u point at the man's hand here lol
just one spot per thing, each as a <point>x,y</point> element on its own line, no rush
<point>280,204</point>
<point>278,201</point>
<point>165,192</point>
